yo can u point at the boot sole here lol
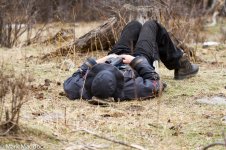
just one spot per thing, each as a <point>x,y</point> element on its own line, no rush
<point>181,77</point>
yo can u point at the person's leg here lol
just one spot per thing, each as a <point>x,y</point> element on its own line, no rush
<point>169,54</point>
<point>173,57</point>
<point>146,45</point>
<point>128,39</point>
<point>154,43</point>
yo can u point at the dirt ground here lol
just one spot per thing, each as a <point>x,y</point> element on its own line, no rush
<point>171,122</point>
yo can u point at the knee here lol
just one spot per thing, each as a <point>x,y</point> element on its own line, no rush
<point>135,24</point>
<point>150,23</point>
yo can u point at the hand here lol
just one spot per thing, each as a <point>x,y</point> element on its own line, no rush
<point>104,59</point>
<point>127,58</point>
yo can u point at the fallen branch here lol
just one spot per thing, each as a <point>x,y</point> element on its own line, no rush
<point>213,144</point>
<point>105,36</point>
<point>16,138</point>
<point>62,36</point>
<point>9,129</point>
<point>114,141</point>
<point>217,143</point>
<point>101,38</point>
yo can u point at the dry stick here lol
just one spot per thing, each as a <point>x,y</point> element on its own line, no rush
<point>2,108</point>
<point>3,134</point>
<point>37,34</point>
<point>217,143</point>
<point>158,107</point>
<point>101,45</point>
<point>95,41</point>
<point>17,138</point>
<point>214,144</point>
<point>114,141</point>
<point>17,109</point>
<point>223,134</point>
<point>122,18</point>
<point>83,86</point>
<point>65,115</point>
<point>114,34</point>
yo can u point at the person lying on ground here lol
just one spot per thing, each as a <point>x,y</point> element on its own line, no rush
<point>133,76</point>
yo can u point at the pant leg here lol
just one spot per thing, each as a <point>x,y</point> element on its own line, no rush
<point>168,52</point>
<point>128,39</point>
<point>154,43</point>
<point>147,45</point>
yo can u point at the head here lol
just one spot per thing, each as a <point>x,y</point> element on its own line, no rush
<point>104,81</point>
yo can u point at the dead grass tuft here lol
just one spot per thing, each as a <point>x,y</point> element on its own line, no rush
<point>13,92</point>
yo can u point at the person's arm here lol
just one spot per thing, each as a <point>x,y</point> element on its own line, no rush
<point>144,69</point>
<point>74,85</point>
<point>147,84</point>
<point>141,65</point>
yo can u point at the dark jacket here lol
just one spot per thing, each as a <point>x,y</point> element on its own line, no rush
<point>140,81</point>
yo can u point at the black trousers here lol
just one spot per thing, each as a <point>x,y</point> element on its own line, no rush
<point>151,41</point>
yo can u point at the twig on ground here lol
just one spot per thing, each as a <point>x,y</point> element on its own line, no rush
<point>9,129</point>
<point>65,116</point>
<point>217,143</point>
<point>16,138</point>
<point>224,137</point>
<point>213,144</point>
<point>135,146</point>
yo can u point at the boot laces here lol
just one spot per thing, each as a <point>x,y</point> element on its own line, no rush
<point>187,65</point>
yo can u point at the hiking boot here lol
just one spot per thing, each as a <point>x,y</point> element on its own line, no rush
<point>187,69</point>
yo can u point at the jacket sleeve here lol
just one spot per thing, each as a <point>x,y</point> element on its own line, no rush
<point>147,84</point>
<point>73,86</point>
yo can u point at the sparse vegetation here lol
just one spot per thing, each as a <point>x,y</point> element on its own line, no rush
<point>13,92</point>
<point>34,109</point>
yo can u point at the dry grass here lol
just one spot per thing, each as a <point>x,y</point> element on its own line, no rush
<point>13,92</point>
<point>172,121</point>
